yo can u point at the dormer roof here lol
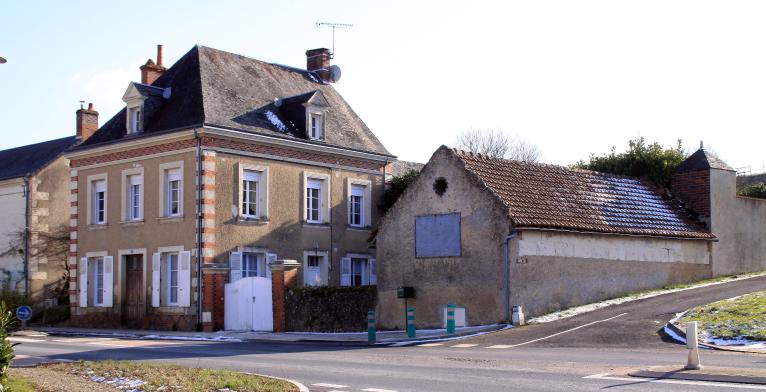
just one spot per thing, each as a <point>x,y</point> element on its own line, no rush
<point>702,160</point>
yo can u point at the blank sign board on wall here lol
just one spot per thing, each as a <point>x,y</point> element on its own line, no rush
<point>437,235</point>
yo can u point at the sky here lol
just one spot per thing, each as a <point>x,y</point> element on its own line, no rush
<point>572,77</point>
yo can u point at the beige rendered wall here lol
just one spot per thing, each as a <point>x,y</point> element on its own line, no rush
<point>551,271</point>
<point>474,280</point>
<point>12,204</point>
<point>144,236</point>
<point>285,233</point>
<point>740,225</point>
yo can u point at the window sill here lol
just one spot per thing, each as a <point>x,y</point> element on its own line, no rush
<point>139,222</point>
<point>366,229</point>
<point>316,225</point>
<point>100,226</point>
<point>252,221</point>
<point>171,219</point>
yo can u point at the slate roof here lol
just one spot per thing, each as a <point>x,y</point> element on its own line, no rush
<point>402,167</point>
<point>556,197</point>
<point>20,161</point>
<point>227,90</point>
<point>702,160</point>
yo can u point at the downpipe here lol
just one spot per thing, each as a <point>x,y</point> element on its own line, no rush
<point>507,275</point>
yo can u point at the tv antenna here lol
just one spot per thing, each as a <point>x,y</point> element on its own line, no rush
<point>334,26</point>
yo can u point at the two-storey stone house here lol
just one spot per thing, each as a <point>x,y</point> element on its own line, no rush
<point>217,167</point>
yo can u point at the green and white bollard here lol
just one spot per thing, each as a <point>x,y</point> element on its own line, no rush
<point>371,332</point>
<point>411,323</point>
<point>450,319</point>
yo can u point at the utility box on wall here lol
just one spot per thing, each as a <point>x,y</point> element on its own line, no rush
<point>405,292</point>
<point>460,319</point>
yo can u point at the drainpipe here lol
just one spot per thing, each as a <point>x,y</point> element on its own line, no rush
<point>199,227</point>
<point>507,275</point>
<point>27,232</point>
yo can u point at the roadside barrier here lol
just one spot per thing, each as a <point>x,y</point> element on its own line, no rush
<point>450,319</point>
<point>371,332</point>
<point>411,332</point>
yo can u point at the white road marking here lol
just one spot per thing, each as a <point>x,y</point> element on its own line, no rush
<point>606,376</point>
<point>14,339</point>
<point>21,356</point>
<point>464,345</point>
<point>378,390</point>
<point>430,344</point>
<point>501,346</point>
<point>567,331</point>
<point>321,384</point>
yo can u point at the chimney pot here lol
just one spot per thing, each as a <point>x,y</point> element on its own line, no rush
<point>159,55</point>
<point>90,106</point>
<point>87,121</point>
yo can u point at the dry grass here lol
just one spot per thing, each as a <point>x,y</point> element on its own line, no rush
<point>738,318</point>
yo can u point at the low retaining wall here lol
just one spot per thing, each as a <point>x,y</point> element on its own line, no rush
<point>329,309</point>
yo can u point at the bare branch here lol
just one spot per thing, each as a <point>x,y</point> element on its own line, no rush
<point>498,144</point>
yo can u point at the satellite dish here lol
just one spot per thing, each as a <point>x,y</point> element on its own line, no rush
<point>334,73</point>
<point>3,61</point>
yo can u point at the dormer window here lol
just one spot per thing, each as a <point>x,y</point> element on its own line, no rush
<point>135,120</point>
<point>315,126</point>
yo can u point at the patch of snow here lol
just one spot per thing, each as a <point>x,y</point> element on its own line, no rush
<point>577,310</point>
<point>435,330</point>
<point>276,121</point>
<point>312,77</point>
<point>194,338</point>
<point>734,342</point>
<point>405,343</point>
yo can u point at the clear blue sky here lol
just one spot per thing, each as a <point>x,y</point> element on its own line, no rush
<point>571,77</point>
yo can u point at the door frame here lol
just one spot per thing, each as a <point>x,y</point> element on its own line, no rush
<point>122,271</point>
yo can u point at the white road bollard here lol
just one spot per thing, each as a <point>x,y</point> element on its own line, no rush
<point>517,317</point>
<point>693,345</point>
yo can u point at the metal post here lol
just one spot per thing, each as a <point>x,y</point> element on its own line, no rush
<point>450,319</point>
<point>692,344</point>
<point>371,332</point>
<point>411,323</point>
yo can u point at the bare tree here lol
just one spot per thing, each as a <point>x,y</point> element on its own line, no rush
<point>498,144</point>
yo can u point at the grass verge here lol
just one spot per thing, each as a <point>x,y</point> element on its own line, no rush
<point>18,384</point>
<point>737,318</point>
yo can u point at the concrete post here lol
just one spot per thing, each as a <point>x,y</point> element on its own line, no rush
<point>371,332</point>
<point>517,317</point>
<point>693,363</point>
<point>450,318</point>
<point>411,332</point>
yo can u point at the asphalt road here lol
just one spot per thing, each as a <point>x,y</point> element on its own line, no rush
<point>585,359</point>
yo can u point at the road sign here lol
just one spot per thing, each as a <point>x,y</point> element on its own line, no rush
<point>24,313</point>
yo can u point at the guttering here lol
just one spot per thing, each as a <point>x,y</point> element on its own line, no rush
<point>137,141</point>
<point>572,231</point>
<point>200,232</point>
<point>223,131</point>
<point>27,232</point>
<point>507,271</point>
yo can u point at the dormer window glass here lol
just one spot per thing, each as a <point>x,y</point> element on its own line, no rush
<point>315,126</point>
<point>134,120</point>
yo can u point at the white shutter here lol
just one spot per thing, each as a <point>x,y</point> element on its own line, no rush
<point>108,282</point>
<point>345,271</point>
<point>235,266</point>
<point>373,272</point>
<point>156,280</point>
<point>83,270</point>
<point>271,258</point>
<point>184,279</point>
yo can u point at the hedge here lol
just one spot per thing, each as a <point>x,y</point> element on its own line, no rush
<point>329,309</point>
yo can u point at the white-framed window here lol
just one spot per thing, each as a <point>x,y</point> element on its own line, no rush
<point>250,262</point>
<point>253,264</point>
<point>316,124</point>
<point>174,192</point>
<point>250,193</point>
<point>135,119</point>
<point>96,283</point>
<point>315,268</point>
<point>356,206</point>
<point>314,201</point>
<point>135,197</point>
<point>99,202</point>
<point>171,263</point>
<point>358,270</point>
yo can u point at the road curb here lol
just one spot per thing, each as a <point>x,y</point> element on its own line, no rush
<point>697,375</point>
<point>681,333</point>
<point>301,387</point>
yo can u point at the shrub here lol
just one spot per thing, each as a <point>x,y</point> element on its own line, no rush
<point>395,188</point>
<point>756,190</point>
<point>329,308</point>
<point>6,348</point>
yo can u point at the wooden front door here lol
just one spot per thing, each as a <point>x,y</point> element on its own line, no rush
<point>134,290</point>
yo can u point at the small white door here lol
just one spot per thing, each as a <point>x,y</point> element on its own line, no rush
<point>248,305</point>
<point>263,318</point>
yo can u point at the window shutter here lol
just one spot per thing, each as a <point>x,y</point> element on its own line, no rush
<point>373,272</point>
<point>108,281</point>
<point>156,280</point>
<point>184,279</point>
<point>345,271</point>
<point>235,264</point>
<point>271,258</point>
<point>83,282</point>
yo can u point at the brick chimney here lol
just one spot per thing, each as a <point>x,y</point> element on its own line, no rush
<point>87,122</point>
<point>318,60</point>
<point>151,71</point>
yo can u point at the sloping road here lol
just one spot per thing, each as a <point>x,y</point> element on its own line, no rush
<point>631,324</point>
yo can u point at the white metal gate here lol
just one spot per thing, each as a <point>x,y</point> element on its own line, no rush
<point>248,305</point>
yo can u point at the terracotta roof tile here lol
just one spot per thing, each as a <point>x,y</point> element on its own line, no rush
<point>556,197</point>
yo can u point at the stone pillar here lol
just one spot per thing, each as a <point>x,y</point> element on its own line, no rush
<point>284,276</point>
